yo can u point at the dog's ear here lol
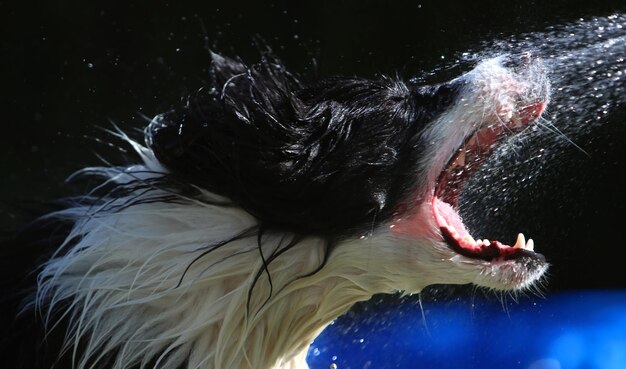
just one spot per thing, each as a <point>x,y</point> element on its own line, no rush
<point>171,135</point>
<point>224,68</point>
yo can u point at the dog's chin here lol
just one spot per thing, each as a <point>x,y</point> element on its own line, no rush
<point>515,275</point>
<point>502,275</point>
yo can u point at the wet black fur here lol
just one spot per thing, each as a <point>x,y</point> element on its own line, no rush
<point>332,158</point>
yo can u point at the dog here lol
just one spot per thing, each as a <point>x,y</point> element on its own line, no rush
<point>263,208</point>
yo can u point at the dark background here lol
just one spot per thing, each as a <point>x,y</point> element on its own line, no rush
<point>69,68</point>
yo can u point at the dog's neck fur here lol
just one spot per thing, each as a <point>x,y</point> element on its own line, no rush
<point>137,292</point>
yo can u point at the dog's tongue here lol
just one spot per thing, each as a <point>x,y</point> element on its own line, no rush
<point>456,235</point>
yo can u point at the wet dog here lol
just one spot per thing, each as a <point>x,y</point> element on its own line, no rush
<point>263,208</point>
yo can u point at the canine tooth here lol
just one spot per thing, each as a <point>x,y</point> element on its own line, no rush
<point>521,241</point>
<point>530,245</point>
<point>486,242</point>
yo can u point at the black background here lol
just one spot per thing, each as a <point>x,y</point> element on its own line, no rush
<point>70,67</point>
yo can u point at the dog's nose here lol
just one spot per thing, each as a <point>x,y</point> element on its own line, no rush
<point>518,60</point>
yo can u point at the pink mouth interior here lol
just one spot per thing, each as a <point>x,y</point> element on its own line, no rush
<point>461,166</point>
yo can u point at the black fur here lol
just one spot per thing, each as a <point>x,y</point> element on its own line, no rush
<point>332,158</point>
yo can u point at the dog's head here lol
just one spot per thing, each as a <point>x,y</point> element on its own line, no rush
<point>360,162</point>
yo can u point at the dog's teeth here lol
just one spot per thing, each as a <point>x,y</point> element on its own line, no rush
<point>508,115</point>
<point>521,241</point>
<point>530,245</point>
<point>486,242</point>
<point>469,239</point>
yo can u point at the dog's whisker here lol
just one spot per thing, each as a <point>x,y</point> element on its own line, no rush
<point>549,126</point>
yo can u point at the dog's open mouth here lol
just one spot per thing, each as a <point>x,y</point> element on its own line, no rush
<point>467,159</point>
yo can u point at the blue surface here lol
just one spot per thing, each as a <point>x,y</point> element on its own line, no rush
<point>575,330</point>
